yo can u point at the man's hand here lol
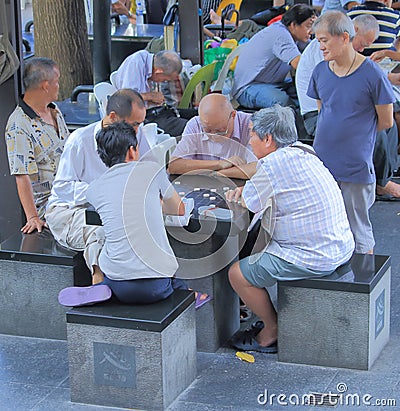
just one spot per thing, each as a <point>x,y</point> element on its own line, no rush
<point>234,195</point>
<point>34,223</point>
<point>378,56</point>
<point>231,162</point>
<point>156,97</point>
<point>394,78</point>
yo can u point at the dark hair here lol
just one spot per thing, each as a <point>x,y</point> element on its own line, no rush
<point>121,102</point>
<point>38,69</point>
<point>298,14</point>
<point>114,141</point>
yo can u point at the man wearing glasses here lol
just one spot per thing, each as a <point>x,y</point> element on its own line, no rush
<point>216,140</point>
<point>80,165</point>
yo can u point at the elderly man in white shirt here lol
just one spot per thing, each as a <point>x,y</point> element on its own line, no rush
<point>309,231</point>
<point>79,165</point>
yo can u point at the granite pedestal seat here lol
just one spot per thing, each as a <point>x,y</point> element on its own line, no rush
<point>132,356</point>
<point>342,320</point>
<point>33,270</point>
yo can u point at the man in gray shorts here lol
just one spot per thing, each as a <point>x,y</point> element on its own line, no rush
<point>310,234</point>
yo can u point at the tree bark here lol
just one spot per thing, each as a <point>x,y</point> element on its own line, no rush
<point>61,34</point>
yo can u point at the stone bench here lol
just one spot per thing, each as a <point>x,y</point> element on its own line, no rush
<point>132,356</point>
<point>338,321</point>
<point>33,270</point>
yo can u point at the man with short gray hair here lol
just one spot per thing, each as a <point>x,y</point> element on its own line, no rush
<point>143,71</point>
<point>309,232</point>
<point>35,137</point>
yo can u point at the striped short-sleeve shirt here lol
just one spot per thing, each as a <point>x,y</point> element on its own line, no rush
<point>389,24</point>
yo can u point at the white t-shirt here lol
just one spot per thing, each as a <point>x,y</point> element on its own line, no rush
<point>127,197</point>
<point>311,56</point>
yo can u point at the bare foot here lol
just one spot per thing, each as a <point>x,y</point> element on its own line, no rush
<point>97,276</point>
<point>391,188</point>
<point>266,337</point>
<point>215,19</point>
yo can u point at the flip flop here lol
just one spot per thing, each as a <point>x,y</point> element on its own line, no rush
<point>247,342</point>
<point>79,296</point>
<point>199,301</point>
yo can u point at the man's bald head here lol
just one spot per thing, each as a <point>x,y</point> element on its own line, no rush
<point>216,105</point>
<point>215,111</point>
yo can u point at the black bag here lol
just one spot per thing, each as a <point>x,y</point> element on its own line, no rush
<point>263,17</point>
<point>9,61</point>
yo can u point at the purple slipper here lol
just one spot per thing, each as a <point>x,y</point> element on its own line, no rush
<point>200,302</point>
<point>78,296</point>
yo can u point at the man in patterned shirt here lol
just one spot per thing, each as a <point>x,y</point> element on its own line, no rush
<point>35,137</point>
<point>309,232</point>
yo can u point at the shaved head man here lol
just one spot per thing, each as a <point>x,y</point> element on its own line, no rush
<point>216,140</point>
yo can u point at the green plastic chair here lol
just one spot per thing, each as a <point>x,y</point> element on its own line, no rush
<point>205,76</point>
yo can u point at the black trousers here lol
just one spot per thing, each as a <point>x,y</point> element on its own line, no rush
<point>167,119</point>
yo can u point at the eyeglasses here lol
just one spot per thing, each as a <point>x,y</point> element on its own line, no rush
<point>217,133</point>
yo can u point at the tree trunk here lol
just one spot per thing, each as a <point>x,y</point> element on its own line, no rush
<point>61,34</point>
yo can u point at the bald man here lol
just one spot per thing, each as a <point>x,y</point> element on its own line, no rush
<point>216,140</point>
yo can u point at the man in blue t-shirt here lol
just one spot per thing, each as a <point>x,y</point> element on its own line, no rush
<point>355,100</point>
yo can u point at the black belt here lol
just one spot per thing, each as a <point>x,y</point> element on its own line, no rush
<point>310,114</point>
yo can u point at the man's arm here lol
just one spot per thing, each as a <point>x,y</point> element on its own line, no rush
<point>25,193</point>
<point>379,55</point>
<point>351,4</point>
<point>245,172</point>
<point>385,116</point>
<point>295,62</point>
<point>173,205</point>
<point>179,165</point>
<point>120,8</point>
<point>155,97</point>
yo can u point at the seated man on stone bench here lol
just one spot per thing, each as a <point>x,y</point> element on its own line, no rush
<point>137,260</point>
<point>310,234</point>
<point>79,166</point>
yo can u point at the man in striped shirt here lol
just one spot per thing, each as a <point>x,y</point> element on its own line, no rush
<point>389,23</point>
<point>309,230</point>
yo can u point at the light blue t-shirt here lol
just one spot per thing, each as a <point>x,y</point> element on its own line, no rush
<point>266,58</point>
<point>336,5</point>
<point>347,123</point>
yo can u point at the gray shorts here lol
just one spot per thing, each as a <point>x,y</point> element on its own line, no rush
<point>264,270</point>
<point>358,199</point>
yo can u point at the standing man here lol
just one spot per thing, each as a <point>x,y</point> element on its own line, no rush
<point>35,137</point>
<point>385,151</point>
<point>311,235</point>
<point>79,166</point>
<point>348,122</point>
